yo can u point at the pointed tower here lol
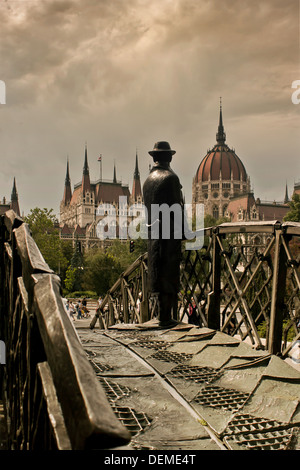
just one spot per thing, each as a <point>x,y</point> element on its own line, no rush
<point>115,174</point>
<point>67,191</point>
<point>286,197</point>
<point>221,136</point>
<point>14,204</point>
<point>136,194</point>
<point>86,183</point>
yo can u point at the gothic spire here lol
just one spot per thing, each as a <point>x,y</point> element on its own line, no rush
<point>85,167</point>
<point>14,204</point>
<point>286,197</point>
<point>136,170</point>
<point>221,136</point>
<point>115,174</point>
<point>136,187</point>
<point>86,183</point>
<point>67,191</point>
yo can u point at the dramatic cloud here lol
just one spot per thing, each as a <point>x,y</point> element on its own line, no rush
<point>123,74</point>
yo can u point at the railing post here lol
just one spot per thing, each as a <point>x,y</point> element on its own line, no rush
<point>2,303</point>
<point>144,302</point>
<point>278,292</point>
<point>214,297</point>
<point>111,318</point>
<point>125,302</point>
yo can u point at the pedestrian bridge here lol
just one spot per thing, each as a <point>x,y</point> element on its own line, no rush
<point>119,381</point>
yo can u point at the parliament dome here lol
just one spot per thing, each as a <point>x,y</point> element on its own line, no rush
<point>221,162</point>
<point>220,176</point>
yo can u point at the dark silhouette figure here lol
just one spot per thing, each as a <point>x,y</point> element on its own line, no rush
<point>164,254</point>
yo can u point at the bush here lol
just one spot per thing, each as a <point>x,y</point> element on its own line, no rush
<point>80,294</point>
<point>262,331</point>
<point>101,270</point>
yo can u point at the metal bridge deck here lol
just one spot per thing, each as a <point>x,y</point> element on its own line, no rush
<point>191,388</point>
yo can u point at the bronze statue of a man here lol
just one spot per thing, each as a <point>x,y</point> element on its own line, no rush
<point>162,187</point>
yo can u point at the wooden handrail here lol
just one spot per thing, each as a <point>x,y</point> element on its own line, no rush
<point>55,369</point>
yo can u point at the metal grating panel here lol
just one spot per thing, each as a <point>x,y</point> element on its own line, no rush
<point>90,353</point>
<point>113,390</point>
<point>168,356</point>
<point>133,334</point>
<point>195,373</point>
<point>219,397</point>
<point>145,343</point>
<point>276,440</point>
<point>134,421</point>
<point>99,367</point>
<point>247,423</point>
<point>256,433</point>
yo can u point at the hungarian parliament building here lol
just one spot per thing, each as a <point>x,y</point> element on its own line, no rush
<point>221,184</point>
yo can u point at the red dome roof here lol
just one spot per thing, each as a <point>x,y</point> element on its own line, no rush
<point>221,160</point>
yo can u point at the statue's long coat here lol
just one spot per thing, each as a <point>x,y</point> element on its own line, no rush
<point>163,187</point>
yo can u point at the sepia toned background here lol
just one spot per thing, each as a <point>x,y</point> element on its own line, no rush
<point>123,74</point>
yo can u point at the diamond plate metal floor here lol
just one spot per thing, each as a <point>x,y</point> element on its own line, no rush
<point>191,388</point>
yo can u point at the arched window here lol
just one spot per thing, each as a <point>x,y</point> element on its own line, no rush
<point>254,213</point>
<point>215,212</point>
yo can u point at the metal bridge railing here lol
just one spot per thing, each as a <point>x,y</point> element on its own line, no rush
<point>51,395</point>
<point>245,281</point>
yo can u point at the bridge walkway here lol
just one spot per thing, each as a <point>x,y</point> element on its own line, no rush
<point>191,388</point>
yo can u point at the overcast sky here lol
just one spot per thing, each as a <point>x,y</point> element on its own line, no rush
<point>122,74</point>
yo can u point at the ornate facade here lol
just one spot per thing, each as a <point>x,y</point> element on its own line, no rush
<point>79,216</point>
<point>221,183</point>
<point>220,176</point>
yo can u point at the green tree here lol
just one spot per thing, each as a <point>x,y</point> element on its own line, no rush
<point>209,221</point>
<point>294,213</point>
<point>120,251</point>
<point>41,221</point>
<point>44,228</point>
<point>101,270</point>
<point>70,279</point>
<point>76,268</point>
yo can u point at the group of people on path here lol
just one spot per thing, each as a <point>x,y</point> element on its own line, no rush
<point>78,310</point>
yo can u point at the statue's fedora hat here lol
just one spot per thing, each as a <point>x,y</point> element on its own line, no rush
<point>161,147</point>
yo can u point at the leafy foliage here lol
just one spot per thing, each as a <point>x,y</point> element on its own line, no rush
<point>101,270</point>
<point>98,269</point>
<point>294,213</point>
<point>121,251</point>
<point>44,228</point>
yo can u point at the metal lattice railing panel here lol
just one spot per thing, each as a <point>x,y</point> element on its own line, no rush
<point>245,281</point>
